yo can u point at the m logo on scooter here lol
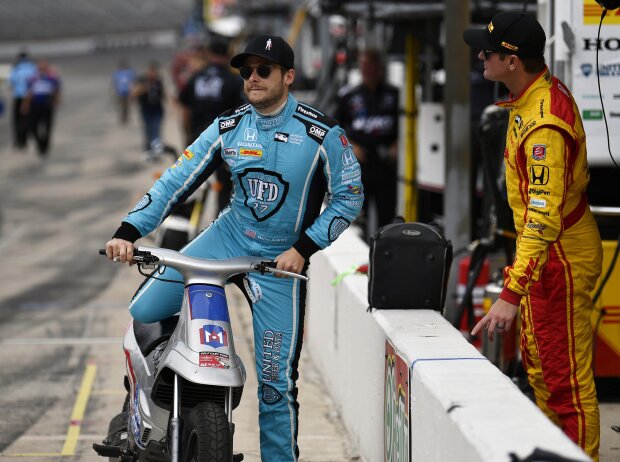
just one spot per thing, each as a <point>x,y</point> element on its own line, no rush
<point>214,336</point>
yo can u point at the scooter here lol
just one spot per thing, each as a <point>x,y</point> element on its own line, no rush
<point>183,376</point>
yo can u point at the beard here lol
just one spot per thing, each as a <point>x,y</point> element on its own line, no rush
<point>267,97</point>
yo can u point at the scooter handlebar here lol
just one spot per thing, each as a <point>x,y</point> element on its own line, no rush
<point>145,255</point>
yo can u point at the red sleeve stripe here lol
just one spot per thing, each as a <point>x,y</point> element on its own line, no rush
<point>561,103</point>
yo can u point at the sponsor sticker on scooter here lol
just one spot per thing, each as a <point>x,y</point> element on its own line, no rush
<point>213,359</point>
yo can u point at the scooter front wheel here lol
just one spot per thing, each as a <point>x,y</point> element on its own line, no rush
<point>206,434</point>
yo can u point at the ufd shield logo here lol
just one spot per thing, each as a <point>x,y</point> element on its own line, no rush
<point>265,191</point>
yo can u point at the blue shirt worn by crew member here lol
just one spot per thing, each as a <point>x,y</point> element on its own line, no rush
<point>21,74</point>
<point>123,80</point>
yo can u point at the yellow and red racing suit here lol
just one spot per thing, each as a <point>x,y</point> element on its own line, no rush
<point>558,255</point>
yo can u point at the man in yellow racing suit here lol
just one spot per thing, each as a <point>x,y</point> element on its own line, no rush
<point>559,253</point>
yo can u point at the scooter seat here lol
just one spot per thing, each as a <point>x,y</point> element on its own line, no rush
<point>148,336</point>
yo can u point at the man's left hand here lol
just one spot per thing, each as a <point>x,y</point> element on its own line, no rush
<point>290,261</point>
<point>498,318</point>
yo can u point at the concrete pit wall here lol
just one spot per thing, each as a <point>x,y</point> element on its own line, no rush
<point>459,406</point>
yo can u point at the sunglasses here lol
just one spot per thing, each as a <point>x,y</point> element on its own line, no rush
<point>487,53</point>
<point>263,71</point>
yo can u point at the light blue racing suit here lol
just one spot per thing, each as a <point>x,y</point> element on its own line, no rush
<point>282,167</point>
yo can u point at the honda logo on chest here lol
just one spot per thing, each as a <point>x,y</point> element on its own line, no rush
<point>539,174</point>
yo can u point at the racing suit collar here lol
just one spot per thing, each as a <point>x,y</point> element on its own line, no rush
<point>542,80</point>
<point>271,122</point>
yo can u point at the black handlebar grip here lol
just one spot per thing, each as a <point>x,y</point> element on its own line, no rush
<point>102,252</point>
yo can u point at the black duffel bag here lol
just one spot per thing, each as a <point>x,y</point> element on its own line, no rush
<point>408,267</point>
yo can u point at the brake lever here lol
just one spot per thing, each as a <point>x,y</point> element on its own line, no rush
<point>265,266</point>
<point>146,260</point>
<point>270,267</point>
<point>287,273</point>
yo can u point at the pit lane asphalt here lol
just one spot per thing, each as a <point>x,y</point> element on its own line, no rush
<point>63,308</point>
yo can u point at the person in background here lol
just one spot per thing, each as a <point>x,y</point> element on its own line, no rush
<point>559,253</point>
<point>369,114</point>
<point>123,79</point>
<point>150,94</point>
<point>286,158</point>
<point>22,72</point>
<point>40,103</point>
<point>183,65</point>
<point>207,94</point>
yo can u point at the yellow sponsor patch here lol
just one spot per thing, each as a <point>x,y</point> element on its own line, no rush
<point>188,154</point>
<point>592,13</point>
<point>251,152</point>
<point>510,46</point>
<point>490,27</point>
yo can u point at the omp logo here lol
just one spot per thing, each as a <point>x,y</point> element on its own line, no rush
<point>264,191</point>
<point>227,123</point>
<point>539,174</point>
<point>250,134</point>
<point>307,112</point>
<point>316,131</point>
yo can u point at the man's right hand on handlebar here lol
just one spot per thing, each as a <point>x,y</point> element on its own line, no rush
<point>120,251</point>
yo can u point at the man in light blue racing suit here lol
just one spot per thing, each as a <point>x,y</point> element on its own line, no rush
<point>284,157</point>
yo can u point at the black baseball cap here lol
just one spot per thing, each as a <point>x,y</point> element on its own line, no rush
<point>512,33</point>
<point>218,47</point>
<point>270,47</point>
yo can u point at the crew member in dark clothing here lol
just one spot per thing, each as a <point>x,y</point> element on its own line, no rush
<point>40,103</point>
<point>209,92</point>
<point>149,91</point>
<point>369,115</point>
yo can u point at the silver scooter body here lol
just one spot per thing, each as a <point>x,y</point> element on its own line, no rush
<point>196,363</point>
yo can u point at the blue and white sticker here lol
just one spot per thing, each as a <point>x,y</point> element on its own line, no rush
<point>539,203</point>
